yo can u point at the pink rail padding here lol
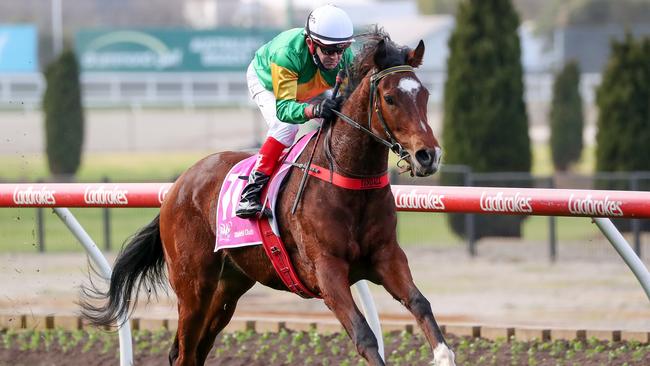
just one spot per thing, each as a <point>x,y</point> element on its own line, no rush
<point>83,195</point>
<point>523,201</point>
<point>485,200</point>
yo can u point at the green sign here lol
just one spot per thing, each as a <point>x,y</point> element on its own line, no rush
<point>168,50</point>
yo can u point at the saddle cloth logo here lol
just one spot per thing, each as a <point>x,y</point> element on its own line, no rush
<point>234,232</point>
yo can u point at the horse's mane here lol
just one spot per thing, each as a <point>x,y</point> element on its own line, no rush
<point>364,60</point>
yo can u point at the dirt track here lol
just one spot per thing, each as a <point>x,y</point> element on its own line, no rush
<point>495,289</point>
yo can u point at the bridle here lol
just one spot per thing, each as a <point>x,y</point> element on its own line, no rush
<point>391,141</point>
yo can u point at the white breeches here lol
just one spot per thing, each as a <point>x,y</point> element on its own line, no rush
<point>284,132</point>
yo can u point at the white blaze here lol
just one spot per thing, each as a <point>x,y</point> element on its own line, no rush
<point>409,86</point>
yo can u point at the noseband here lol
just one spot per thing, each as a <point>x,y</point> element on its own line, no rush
<point>391,141</point>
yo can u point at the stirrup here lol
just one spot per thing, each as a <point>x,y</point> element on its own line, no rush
<point>258,213</point>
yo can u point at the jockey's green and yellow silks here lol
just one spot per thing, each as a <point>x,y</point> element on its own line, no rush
<point>285,66</point>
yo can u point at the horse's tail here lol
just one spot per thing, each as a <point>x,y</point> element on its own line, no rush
<point>140,262</point>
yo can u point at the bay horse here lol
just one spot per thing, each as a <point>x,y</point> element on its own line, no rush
<point>335,238</point>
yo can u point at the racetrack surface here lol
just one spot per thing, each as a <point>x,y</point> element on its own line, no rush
<point>509,284</point>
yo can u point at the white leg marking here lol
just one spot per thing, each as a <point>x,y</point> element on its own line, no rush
<point>443,356</point>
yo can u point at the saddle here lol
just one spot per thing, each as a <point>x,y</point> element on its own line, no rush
<point>235,232</point>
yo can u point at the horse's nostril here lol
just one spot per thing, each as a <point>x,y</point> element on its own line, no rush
<point>426,157</point>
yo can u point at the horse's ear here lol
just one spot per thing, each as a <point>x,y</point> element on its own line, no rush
<point>414,57</point>
<point>380,53</point>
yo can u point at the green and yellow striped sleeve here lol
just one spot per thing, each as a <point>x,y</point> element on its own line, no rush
<point>285,89</point>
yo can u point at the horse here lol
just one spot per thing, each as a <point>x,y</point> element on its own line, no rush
<point>335,238</point>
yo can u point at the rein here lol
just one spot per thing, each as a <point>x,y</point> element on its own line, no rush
<point>366,182</point>
<point>391,141</point>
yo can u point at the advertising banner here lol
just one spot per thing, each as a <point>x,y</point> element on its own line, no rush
<point>18,48</point>
<point>168,50</point>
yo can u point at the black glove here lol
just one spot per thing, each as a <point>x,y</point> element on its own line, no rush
<point>325,107</point>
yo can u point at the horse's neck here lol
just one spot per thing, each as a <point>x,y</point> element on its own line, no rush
<point>354,150</point>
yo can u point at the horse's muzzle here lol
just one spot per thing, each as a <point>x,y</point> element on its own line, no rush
<point>427,161</point>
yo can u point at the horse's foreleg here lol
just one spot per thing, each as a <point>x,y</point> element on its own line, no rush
<point>392,268</point>
<point>332,276</point>
<point>173,352</point>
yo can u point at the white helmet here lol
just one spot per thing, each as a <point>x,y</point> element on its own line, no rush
<point>329,24</point>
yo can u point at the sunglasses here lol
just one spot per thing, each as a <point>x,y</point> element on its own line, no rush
<point>331,51</point>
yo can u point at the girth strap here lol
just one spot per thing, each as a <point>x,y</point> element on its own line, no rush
<point>277,253</point>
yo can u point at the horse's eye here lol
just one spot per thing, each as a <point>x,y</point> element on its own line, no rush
<point>389,99</point>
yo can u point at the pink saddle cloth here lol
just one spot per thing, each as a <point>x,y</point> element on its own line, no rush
<point>234,232</point>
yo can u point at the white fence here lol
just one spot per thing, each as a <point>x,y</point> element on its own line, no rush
<point>189,90</point>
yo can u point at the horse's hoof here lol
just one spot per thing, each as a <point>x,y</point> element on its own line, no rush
<point>443,356</point>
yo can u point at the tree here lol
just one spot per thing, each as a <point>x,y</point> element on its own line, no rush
<point>64,120</point>
<point>485,124</point>
<point>566,117</point>
<point>624,112</point>
<point>624,116</point>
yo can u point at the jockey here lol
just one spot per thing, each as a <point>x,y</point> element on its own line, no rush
<point>285,74</point>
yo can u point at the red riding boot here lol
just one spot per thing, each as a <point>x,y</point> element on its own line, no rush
<point>267,159</point>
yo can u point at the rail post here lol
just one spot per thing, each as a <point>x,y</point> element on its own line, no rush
<point>40,228</point>
<point>625,251</point>
<point>636,223</point>
<point>104,269</point>
<point>552,229</point>
<point>470,221</point>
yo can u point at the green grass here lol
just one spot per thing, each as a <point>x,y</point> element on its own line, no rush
<point>568,228</point>
<point>543,164</point>
<point>18,231</point>
<point>416,229</point>
<point>124,167</point>
<point>163,166</point>
<point>431,229</point>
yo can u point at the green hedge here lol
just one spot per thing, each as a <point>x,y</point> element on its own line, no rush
<point>64,119</point>
<point>566,118</point>
<point>485,122</point>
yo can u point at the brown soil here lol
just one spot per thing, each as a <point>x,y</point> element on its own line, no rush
<point>509,284</point>
<point>301,348</point>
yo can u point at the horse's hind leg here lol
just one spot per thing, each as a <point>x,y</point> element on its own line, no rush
<point>332,275</point>
<point>232,285</point>
<point>204,309</point>
<point>392,268</point>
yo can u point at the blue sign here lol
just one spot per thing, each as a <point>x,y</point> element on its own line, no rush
<point>18,45</point>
